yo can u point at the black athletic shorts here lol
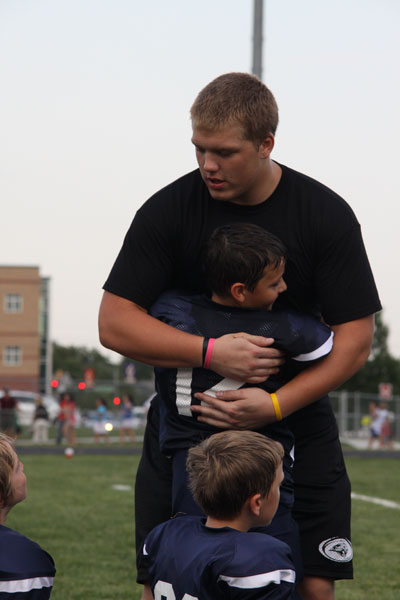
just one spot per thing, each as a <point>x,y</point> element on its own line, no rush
<point>322,506</point>
<point>322,492</point>
<point>153,488</point>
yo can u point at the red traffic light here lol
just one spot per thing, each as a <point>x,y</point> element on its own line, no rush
<point>54,383</point>
<point>81,385</point>
<point>117,400</point>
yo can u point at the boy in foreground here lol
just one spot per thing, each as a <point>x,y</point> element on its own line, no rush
<point>235,477</point>
<point>26,571</point>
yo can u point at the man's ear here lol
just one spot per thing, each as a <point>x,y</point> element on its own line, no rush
<point>238,292</point>
<point>267,146</point>
<point>255,504</point>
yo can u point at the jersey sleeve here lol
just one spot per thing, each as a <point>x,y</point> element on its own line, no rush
<point>344,282</point>
<point>305,338</point>
<point>37,588</point>
<point>162,248</point>
<point>143,268</point>
<point>26,570</point>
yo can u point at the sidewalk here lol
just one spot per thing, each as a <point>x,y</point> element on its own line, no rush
<point>361,443</point>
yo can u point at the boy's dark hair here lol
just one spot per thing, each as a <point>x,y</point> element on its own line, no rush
<point>229,467</point>
<point>239,252</point>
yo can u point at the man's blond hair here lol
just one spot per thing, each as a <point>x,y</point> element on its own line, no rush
<point>237,98</point>
<point>229,467</point>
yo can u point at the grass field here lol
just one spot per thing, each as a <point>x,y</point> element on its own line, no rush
<point>86,524</point>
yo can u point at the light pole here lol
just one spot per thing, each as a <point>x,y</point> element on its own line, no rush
<point>257,38</point>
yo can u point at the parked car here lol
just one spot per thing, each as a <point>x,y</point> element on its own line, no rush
<point>26,403</point>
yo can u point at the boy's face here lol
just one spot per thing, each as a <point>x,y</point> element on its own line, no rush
<point>18,482</point>
<point>267,289</point>
<point>271,500</point>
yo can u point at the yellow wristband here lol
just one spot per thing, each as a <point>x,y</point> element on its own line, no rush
<point>277,408</point>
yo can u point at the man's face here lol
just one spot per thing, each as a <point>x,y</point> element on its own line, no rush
<point>267,289</point>
<point>232,168</point>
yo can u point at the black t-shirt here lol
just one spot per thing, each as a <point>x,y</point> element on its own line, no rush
<point>327,272</point>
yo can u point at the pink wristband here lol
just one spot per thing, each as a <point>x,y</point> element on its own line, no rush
<point>207,359</point>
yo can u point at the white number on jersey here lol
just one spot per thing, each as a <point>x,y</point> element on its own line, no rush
<point>184,390</point>
<point>165,591</point>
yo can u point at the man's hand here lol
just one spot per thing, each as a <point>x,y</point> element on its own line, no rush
<point>251,408</point>
<point>247,408</point>
<point>245,357</point>
<point>127,328</point>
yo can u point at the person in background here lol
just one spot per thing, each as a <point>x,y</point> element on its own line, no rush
<point>70,419</point>
<point>386,439</point>
<point>60,423</point>
<point>26,571</point>
<point>379,416</point>
<point>100,431</point>
<point>127,419</point>
<point>40,423</point>
<point>8,409</point>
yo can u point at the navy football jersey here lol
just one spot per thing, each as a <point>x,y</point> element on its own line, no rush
<point>301,337</point>
<point>189,561</point>
<point>26,571</point>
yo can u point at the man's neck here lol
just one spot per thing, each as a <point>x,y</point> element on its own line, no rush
<point>266,187</point>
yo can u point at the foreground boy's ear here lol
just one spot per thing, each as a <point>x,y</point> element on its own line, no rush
<point>238,292</point>
<point>255,504</point>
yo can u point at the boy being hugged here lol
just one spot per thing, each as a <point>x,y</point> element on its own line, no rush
<point>244,265</point>
<point>235,477</point>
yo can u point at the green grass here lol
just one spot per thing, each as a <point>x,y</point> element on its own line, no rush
<point>375,531</point>
<point>87,526</point>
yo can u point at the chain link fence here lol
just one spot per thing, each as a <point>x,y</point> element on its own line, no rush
<point>352,410</point>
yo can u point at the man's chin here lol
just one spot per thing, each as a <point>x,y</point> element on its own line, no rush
<point>220,194</point>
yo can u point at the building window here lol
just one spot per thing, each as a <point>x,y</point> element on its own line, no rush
<point>12,356</point>
<point>13,303</point>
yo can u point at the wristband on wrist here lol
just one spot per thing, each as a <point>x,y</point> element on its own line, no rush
<point>207,359</point>
<point>277,408</point>
<point>205,344</point>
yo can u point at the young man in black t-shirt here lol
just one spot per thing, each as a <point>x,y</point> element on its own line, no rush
<point>327,273</point>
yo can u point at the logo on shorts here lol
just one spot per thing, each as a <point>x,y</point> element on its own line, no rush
<point>336,549</point>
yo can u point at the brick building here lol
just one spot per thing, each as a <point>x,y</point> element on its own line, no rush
<point>25,351</point>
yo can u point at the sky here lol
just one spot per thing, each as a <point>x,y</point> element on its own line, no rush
<point>94,118</point>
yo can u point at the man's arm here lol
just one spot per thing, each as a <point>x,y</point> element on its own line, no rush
<point>249,408</point>
<point>127,328</point>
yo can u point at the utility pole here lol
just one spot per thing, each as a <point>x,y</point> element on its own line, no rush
<point>257,38</point>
